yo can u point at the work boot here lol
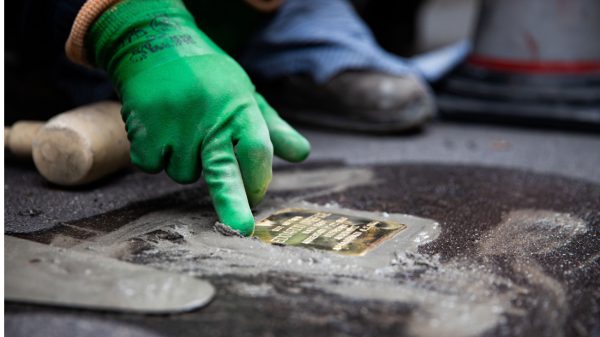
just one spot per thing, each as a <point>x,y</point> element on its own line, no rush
<point>361,100</point>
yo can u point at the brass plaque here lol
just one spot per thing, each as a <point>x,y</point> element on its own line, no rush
<point>341,233</point>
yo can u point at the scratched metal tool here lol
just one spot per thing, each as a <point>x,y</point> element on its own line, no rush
<point>42,274</point>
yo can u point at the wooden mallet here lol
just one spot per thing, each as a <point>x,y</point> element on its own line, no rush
<point>75,147</point>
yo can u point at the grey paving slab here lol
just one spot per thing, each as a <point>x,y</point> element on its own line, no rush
<point>569,153</point>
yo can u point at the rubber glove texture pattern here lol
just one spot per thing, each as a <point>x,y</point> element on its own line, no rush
<point>189,107</point>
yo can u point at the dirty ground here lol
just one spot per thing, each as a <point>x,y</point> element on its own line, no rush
<point>516,251</point>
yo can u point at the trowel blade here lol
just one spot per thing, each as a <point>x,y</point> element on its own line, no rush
<point>42,274</point>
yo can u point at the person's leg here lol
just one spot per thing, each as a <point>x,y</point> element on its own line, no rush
<point>319,62</point>
<point>319,38</point>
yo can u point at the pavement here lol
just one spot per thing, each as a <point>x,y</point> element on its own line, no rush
<point>517,252</point>
<point>569,153</point>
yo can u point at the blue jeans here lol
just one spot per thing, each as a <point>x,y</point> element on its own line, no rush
<point>323,37</point>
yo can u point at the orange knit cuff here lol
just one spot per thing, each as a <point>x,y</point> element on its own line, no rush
<point>89,12</point>
<point>92,9</point>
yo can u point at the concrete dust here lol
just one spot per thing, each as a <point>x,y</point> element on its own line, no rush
<point>411,263</point>
<point>254,290</point>
<point>458,297</point>
<point>339,179</point>
<point>528,231</point>
<point>446,295</point>
<point>243,256</point>
<point>455,297</point>
<point>226,230</point>
<point>522,235</point>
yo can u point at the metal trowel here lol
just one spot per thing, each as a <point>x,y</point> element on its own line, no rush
<point>42,274</point>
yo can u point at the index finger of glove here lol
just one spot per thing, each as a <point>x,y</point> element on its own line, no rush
<point>224,180</point>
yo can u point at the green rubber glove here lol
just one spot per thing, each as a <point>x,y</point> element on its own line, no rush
<point>190,108</point>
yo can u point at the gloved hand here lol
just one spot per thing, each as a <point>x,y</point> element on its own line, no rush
<point>189,107</point>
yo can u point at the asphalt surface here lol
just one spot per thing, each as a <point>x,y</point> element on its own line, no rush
<point>520,225</point>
